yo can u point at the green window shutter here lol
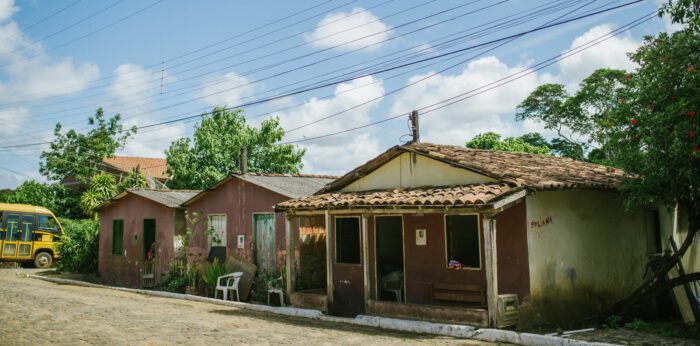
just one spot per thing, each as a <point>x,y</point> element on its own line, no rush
<point>117,237</point>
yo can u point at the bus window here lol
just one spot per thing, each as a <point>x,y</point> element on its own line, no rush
<point>11,227</point>
<point>48,223</point>
<point>27,227</point>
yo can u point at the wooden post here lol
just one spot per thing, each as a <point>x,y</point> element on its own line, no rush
<point>365,257</point>
<point>291,254</point>
<point>329,261</point>
<point>491,268</point>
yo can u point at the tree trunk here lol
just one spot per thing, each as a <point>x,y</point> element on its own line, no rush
<point>656,282</point>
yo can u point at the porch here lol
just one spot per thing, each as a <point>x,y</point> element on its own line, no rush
<point>400,263</point>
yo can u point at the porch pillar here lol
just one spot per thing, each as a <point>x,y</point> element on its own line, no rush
<point>329,261</point>
<point>491,268</point>
<point>291,255</point>
<point>365,257</point>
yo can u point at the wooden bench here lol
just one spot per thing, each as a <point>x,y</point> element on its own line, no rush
<point>463,293</point>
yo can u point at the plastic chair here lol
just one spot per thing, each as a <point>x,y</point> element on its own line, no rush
<point>230,285</point>
<point>272,288</point>
<point>393,283</point>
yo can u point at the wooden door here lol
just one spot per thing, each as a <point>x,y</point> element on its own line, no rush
<point>264,238</point>
<point>348,273</point>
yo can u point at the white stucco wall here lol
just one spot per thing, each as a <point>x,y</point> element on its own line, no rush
<point>585,251</point>
<point>403,172</point>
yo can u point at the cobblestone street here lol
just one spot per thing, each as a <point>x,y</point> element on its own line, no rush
<point>36,312</point>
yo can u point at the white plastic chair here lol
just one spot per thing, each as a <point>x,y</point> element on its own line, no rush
<point>274,288</point>
<point>231,284</point>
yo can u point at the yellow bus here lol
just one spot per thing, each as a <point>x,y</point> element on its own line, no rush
<point>29,234</point>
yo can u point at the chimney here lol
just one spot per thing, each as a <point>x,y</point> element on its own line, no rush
<point>243,160</point>
<point>415,127</point>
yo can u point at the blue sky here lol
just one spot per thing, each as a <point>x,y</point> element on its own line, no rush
<point>179,58</point>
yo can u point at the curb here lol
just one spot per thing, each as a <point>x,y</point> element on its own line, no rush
<point>442,329</point>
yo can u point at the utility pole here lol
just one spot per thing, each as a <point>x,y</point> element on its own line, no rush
<point>415,126</point>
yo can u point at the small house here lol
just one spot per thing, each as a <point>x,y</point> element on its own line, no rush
<point>137,235</point>
<point>153,169</point>
<point>486,238</point>
<point>236,216</point>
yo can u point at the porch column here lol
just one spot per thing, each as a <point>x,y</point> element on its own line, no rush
<point>291,267</point>
<point>365,257</point>
<point>491,268</point>
<point>329,261</point>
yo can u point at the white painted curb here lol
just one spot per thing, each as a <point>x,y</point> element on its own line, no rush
<point>451,330</point>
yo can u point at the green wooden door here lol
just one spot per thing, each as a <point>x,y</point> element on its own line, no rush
<point>264,228</point>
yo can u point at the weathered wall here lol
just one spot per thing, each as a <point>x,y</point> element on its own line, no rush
<point>125,269</point>
<point>585,252</point>
<point>403,172</point>
<point>512,254</point>
<point>238,200</point>
<point>667,219</point>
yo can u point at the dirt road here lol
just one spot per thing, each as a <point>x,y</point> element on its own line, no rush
<point>38,312</point>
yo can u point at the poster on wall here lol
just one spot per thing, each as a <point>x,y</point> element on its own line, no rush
<point>421,237</point>
<point>241,241</point>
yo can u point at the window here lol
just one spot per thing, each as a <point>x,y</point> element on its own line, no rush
<point>462,233</point>
<point>347,240</point>
<point>216,234</point>
<point>117,237</point>
<point>48,223</point>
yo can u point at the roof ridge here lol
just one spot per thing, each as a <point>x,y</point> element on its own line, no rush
<point>291,175</point>
<point>135,157</point>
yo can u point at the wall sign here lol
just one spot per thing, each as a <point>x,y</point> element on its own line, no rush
<point>421,237</point>
<point>541,222</point>
<point>241,241</point>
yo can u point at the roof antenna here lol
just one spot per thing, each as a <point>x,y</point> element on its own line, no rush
<point>415,127</point>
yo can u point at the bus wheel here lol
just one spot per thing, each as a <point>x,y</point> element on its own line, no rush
<point>43,260</point>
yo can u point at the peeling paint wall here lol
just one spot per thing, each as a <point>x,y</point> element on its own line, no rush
<point>403,172</point>
<point>585,252</point>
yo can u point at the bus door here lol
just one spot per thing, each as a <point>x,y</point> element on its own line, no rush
<point>11,226</point>
<point>24,248</point>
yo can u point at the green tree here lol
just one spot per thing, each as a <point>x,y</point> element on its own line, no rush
<point>492,141</point>
<point>51,196</point>
<point>132,180</point>
<point>218,141</point>
<point>580,120</point>
<point>103,186</point>
<point>79,246</point>
<point>76,155</point>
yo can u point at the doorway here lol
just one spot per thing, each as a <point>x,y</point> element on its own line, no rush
<point>264,233</point>
<point>149,239</point>
<point>389,258</point>
<point>348,280</point>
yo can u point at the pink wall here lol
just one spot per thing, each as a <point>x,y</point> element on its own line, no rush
<point>125,269</point>
<point>239,199</point>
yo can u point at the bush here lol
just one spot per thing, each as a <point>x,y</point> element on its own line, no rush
<point>175,282</point>
<point>79,246</point>
<point>211,274</point>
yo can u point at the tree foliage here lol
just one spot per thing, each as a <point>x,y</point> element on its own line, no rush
<point>79,246</point>
<point>77,155</point>
<point>215,150</point>
<point>103,186</point>
<point>53,196</point>
<point>532,143</point>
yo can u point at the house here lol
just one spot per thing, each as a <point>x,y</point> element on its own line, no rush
<point>486,238</point>
<point>239,212</point>
<point>137,234</point>
<point>153,169</point>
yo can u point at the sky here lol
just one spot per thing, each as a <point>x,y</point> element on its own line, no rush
<point>329,69</point>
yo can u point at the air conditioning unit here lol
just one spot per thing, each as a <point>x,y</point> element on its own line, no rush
<point>507,310</point>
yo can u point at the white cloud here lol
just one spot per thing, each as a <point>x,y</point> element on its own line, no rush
<point>612,53</point>
<point>29,73</point>
<point>352,30</point>
<point>7,9</point>
<point>12,119</point>
<point>228,90</point>
<point>135,87</point>
<point>10,180</point>
<point>490,111</point>
<point>152,143</point>
<point>354,147</point>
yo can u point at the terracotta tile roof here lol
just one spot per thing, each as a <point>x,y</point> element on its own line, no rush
<point>537,172</point>
<point>466,195</point>
<point>150,167</point>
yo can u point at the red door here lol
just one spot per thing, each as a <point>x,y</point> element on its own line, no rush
<point>348,276</point>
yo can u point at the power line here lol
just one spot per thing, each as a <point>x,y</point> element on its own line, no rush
<point>193,51</point>
<point>463,96</point>
<point>74,24</point>
<point>46,51</point>
<point>382,70</point>
<point>45,19</point>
